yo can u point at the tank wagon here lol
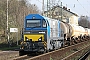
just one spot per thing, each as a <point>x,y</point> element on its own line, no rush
<point>73,32</point>
<point>40,34</point>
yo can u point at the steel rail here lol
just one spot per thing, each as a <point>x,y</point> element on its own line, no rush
<point>84,56</point>
<point>59,54</point>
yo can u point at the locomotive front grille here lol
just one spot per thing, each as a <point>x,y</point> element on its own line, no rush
<point>34,42</point>
<point>34,46</point>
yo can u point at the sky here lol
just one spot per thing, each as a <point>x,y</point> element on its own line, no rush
<point>80,7</point>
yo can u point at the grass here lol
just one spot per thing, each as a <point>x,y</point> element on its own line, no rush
<point>12,45</point>
<point>5,46</point>
<point>9,48</point>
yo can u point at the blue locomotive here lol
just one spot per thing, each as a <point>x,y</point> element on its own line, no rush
<point>40,34</point>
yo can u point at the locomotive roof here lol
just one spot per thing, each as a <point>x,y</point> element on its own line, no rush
<point>34,16</point>
<point>37,16</point>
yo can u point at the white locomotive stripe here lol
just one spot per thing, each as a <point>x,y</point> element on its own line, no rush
<point>41,32</point>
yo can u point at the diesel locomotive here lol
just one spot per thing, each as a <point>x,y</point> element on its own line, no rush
<point>40,34</point>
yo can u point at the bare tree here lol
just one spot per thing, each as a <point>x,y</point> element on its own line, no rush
<point>83,21</point>
<point>17,9</point>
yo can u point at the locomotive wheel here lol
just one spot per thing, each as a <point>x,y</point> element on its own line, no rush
<point>21,53</point>
<point>47,51</point>
<point>62,44</point>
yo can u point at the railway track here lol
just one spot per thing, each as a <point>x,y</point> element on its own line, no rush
<point>85,55</point>
<point>77,54</point>
<point>22,57</point>
<point>88,57</point>
<point>67,53</point>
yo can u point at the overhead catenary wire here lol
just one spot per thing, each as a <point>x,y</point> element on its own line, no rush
<point>83,8</point>
<point>88,2</point>
<point>49,3</point>
<point>73,6</point>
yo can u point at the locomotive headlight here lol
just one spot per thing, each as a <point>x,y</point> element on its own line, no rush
<point>40,39</point>
<point>27,39</point>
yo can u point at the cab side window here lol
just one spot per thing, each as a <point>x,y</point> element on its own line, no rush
<point>44,23</point>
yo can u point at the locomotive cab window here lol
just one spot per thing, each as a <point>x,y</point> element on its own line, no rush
<point>33,23</point>
<point>44,23</point>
